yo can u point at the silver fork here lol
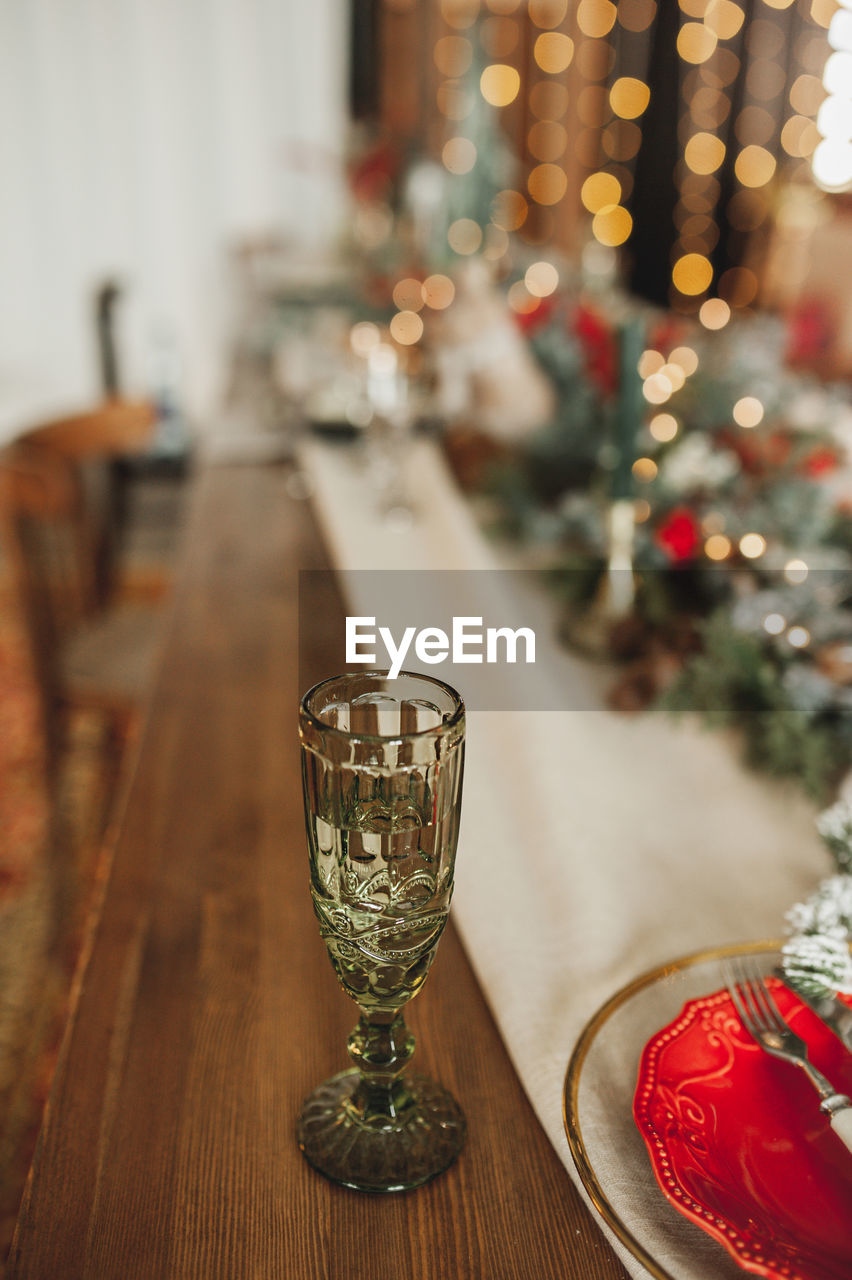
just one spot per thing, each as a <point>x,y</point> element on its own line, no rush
<point>762,1018</point>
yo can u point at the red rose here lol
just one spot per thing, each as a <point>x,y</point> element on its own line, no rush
<point>679,535</point>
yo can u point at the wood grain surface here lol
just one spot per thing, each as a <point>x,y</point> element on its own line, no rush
<point>208,1008</point>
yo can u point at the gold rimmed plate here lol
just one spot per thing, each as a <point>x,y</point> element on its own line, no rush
<point>606,1145</point>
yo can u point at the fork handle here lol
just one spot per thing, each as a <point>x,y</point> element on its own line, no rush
<point>839,1110</point>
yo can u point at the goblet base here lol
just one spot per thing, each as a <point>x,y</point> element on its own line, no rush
<point>380,1152</point>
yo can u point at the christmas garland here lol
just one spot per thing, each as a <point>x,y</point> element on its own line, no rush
<point>817,958</point>
<point>743,539</point>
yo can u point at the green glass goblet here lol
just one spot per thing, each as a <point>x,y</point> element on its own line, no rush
<point>382,764</point>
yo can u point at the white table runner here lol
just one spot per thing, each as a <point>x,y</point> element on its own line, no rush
<point>593,845</point>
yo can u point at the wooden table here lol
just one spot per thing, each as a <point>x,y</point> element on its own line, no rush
<point>208,1009</point>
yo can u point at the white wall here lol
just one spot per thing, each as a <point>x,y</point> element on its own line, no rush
<point>139,138</point>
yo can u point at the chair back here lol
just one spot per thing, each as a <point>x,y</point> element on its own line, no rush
<point>55,525</point>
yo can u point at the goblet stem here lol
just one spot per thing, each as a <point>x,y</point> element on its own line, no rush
<point>381,1046</point>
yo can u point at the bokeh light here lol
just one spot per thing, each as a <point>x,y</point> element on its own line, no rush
<point>754,166</point>
<point>612,225</point>
<point>464,236</point>
<point>663,427</point>
<point>748,412</point>
<point>499,84</point>
<point>408,294</point>
<point>629,97</point>
<point>714,313</point>
<point>547,183</point>
<point>752,545</point>
<point>406,328</point>
<point>438,292</point>
<point>704,152</point>
<point>453,55</point>
<point>599,190</point>
<point>509,210</point>
<point>541,279</point>
<point>547,140</point>
<point>692,273</point>
<point>596,18</point>
<point>553,52</point>
<point>459,155</point>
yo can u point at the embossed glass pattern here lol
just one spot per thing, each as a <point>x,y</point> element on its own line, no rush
<point>382,764</point>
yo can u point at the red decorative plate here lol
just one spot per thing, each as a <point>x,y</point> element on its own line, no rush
<point>738,1143</point>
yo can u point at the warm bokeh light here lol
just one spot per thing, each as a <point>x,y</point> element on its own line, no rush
<point>547,140</point>
<point>547,183</point>
<point>521,300</point>
<point>595,18</point>
<point>629,97</point>
<point>363,337</point>
<point>774,624</point>
<point>502,6</point>
<point>408,294</point>
<point>458,155</point>
<point>800,136</point>
<point>663,427</point>
<point>622,139</point>
<point>657,389</point>
<point>437,292</point>
<point>499,36</point>
<point>453,55</point>
<point>748,412</point>
<point>704,152</point>
<point>806,94</point>
<point>738,286</point>
<point>460,14</point>
<point>464,236</point>
<point>650,361</point>
<point>406,328</point>
<point>549,100</point>
<point>695,42</point>
<point>541,279</point>
<point>645,469</point>
<point>692,274</point>
<point>636,15</point>
<point>641,510</point>
<point>795,571</point>
<point>599,190</point>
<point>612,225</point>
<point>724,18</point>
<point>752,545</point>
<point>754,166</point>
<point>547,13</point>
<point>675,375</point>
<point>509,210</point>
<point>499,84</point>
<point>686,358</point>
<point>553,52</point>
<point>798,637</point>
<point>718,547</point>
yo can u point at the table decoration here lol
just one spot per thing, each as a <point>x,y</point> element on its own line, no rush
<point>673,1030</point>
<point>382,771</point>
<point>817,957</point>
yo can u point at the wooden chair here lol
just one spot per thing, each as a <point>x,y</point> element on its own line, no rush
<point>55,526</point>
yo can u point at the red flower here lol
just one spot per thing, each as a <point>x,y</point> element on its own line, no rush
<point>679,534</point>
<point>819,461</point>
<point>598,343</point>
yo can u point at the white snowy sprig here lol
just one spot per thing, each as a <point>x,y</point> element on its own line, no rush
<point>818,965</point>
<point>835,827</point>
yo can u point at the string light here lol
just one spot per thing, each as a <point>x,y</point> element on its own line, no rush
<point>541,279</point>
<point>752,545</point>
<point>663,427</point>
<point>795,571</point>
<point>438,292</point>
<point>799,637</point>
<point>499,84</point>
<point>406,328</point>
<point>718,547</point>
<point>645,469</point>
<point>748,412</point>
<point>547,183</point>
<point>553,52</point>
<point>464,236</point>
<point>650,362</point>
<point>408,294</point>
